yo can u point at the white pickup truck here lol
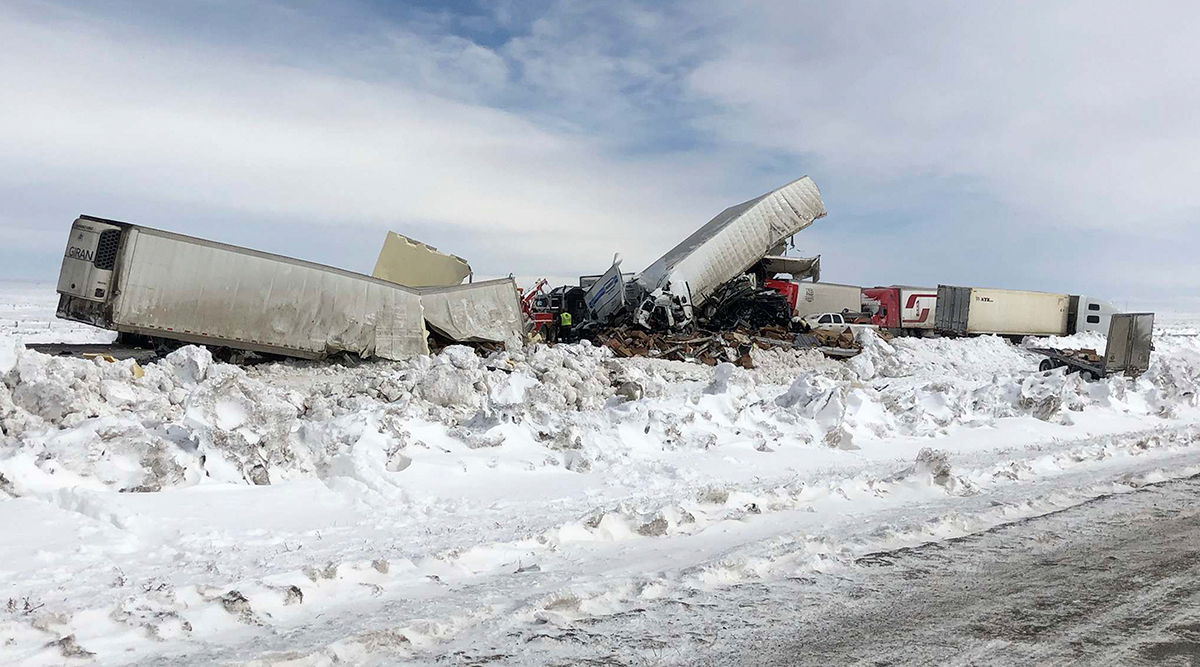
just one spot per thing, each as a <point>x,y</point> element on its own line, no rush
<point>831,322</point>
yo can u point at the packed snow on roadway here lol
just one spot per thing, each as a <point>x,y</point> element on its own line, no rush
<point>490,508</point>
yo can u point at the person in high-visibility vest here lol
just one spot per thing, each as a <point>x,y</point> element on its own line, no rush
<point>564,327</point>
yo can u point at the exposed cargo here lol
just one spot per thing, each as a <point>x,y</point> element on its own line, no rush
<point>144,281</point>
<point>1130,341</point>
<point>414,264</point>
<point>731,243</point>
<point>978,310</point>
<point>798,268</point>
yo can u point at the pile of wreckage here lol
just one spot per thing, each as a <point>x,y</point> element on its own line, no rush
<point>707,299</point>
<point>712,298</point>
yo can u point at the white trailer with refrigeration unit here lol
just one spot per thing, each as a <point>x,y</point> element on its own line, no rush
<point>148,282</point>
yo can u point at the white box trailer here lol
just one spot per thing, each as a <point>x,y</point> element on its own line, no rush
<point>827,298</point>
<point>734,241</point>
<point>978,310</point>
<point>138,280</point>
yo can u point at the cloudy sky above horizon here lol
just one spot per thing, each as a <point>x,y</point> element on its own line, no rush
<point>1012,144</point>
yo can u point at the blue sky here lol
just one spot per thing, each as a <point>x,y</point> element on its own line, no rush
<point>1027,145</point>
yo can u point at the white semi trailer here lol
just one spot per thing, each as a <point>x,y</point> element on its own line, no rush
<point>728,246</point>
<point>979,310</point>
<point>148,282</point>
<point>827,298</point>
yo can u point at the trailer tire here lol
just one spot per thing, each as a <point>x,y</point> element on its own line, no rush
<point>1046,365</point>
<point>1088,376</point>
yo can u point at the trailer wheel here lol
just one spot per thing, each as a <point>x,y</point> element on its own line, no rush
<point>1046,365</point>
<point>1088,376</point>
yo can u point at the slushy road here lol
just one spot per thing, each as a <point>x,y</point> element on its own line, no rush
<point>1115,581</point>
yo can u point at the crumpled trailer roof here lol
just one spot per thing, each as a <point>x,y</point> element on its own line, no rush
<point>740,236</point>
<point>488,311</point>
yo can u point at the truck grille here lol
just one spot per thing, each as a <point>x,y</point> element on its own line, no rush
<point>106,249</point>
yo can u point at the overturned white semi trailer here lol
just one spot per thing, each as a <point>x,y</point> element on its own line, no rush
<point>148,282</point>
<point>731,244</point>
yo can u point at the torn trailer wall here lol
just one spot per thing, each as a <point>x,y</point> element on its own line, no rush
<point>488,311</point>
<point>182,288</point>
<point>737,239</point>
<point>409,262</point>
<point>799,268</point>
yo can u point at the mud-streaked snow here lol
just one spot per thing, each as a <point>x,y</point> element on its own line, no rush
<point>305,514</point>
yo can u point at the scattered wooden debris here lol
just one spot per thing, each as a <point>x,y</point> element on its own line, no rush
<point>712,348</point>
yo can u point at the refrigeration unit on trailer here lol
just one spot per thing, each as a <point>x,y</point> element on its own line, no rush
<point>977,310</point>
<point>148,282</point>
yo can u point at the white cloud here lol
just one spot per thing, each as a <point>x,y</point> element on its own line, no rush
<point>105,109</point>
<point>1074,115</point>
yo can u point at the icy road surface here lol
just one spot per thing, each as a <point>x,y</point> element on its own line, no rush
<point>1112,581</point>
<point>541,506</point>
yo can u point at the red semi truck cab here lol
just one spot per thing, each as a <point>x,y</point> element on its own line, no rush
<point>787,288</point>
<point>884,305</point>
<point>906,309</point>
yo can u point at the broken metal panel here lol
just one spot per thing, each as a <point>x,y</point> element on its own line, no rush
<point>1130,341</point>
<point>606,296</point>
<point>414,264</point>
<point>735,240</point>
<point>488,311</point>
<point>799,267</point>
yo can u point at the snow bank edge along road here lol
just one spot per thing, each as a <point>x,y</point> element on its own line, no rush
<point>452,501</point>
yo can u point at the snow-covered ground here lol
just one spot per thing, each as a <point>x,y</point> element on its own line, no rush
<point>27,314</point>
<point>485,510</point>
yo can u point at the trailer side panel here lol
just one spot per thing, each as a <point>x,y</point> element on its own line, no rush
<point>827,298</point>
<point>1017,313</point>
<point>178,287</point>
<point>918,307</point>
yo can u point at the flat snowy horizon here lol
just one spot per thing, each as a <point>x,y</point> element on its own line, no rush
<point>504,510</point>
